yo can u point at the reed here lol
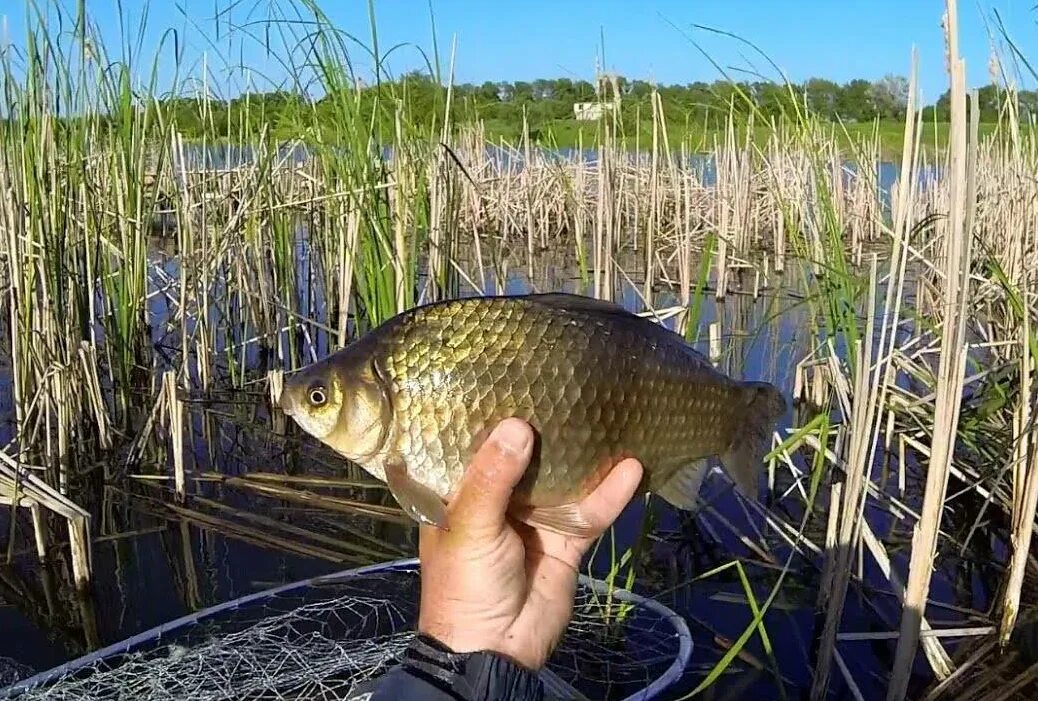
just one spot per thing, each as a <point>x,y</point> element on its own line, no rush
<point>148,275</point>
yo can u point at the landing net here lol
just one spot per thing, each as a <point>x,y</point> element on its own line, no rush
<point>317,639</point>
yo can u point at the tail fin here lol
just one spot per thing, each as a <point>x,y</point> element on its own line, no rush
<point>765,405</point>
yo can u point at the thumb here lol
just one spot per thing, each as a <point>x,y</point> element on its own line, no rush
<point>488,482</point>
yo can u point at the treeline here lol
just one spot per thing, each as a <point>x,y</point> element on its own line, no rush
<point>543,103</point>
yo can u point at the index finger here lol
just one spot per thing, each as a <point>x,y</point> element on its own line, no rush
<point>488,482</point>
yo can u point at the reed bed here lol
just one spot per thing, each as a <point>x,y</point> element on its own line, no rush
<point>157,290</point>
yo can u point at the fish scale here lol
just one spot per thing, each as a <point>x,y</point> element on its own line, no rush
<point>596,382</point>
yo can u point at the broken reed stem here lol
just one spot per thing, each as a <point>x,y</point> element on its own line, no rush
<point>715,342</point>
<point>176,432</point>
<point>1025,445</point>
<point>951,367</point>
<point>1025,473</point>
<point>20,484</point>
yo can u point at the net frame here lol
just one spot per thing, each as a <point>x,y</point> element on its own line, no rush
<point>555,685</point>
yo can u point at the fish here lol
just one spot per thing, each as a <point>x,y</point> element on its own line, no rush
<point>413,399</point>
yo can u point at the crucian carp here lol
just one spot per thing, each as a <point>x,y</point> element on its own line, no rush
<point>412,400</point>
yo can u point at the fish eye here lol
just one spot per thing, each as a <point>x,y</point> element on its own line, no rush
<point>317,396</point>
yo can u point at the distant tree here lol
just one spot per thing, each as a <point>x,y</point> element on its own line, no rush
<point>186,113</point>
<point>522,91</point>
<point>942,108</point>
<point>563,89</point>
<point>1027,103</point>
<point>584,90</point>
<point>989,99</point>
<point>543,89</point>
<point>822,97</point>
<point>774,100</point>
<point>889,97</point>
<point>639,89</point>
<point>854,102</point>
<point>502,104</point>
<point>488,92</point>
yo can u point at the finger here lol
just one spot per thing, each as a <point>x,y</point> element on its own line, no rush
<point>487,484</point>
<point>602,506</point>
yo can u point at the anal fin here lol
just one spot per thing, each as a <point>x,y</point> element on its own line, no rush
<point>682,489</point>
<point>564,518</point>
<point>418,501</point>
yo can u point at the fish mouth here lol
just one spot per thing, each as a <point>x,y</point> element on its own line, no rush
<point>286,403</point>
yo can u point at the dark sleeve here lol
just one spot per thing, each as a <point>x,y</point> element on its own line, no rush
<point>401,684</point>
<point>427,674</point>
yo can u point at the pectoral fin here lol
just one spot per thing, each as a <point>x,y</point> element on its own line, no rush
<point>418,501</point>
<point>682,490</point>
<point>564,518</point>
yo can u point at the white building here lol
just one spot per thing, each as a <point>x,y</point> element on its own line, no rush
<point>590,111</point>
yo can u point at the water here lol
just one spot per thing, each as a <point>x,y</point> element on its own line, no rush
<point>226,156</point>
<point>153,565</point>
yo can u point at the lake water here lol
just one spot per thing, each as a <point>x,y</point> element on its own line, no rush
<point>152,565</point>
<point>223,156</point>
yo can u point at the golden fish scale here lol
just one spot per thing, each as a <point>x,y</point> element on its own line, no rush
<point>595,392</point>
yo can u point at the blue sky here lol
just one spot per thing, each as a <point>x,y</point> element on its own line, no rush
<point>497,40</point>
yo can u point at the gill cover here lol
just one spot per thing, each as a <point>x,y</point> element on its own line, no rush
<point>366,413</point>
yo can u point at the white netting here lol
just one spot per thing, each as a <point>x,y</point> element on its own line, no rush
<point>12,671</point>
<point>317,640</point>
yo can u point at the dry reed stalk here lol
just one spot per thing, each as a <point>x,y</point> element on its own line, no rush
<point>902,205</point>
<point>446,207</point>
<point>1025,488</point>
<point>275,385</point>
<point>403,195</point>
<point>226,527</point>
<point>725,207</point>
<point>861,409</point>
<point>951,369</point>
<point>15,481</point>
<point>526,177</point>
<point>313,481</point>
<point>1025,448</point>
<point>175,415</point>
<point>331,503</point>
<point>659,139</point>
<point>271,525</point>
<point>716,353</point>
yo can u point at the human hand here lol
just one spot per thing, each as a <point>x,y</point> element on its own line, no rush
<point>490,583</point>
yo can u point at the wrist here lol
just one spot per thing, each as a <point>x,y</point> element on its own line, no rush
<point>467,639</point>
<point>479,675</point>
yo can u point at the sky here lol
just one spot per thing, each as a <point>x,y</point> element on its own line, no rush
<point>648,39</point>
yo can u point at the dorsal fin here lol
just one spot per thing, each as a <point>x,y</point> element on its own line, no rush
<point>612,311</point>
<point>579,303</point>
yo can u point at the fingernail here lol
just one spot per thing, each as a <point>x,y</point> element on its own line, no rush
<point>511,436</point>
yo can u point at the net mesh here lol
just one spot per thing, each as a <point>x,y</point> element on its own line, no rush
<point>11,671</point>
<point>319,640</point>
